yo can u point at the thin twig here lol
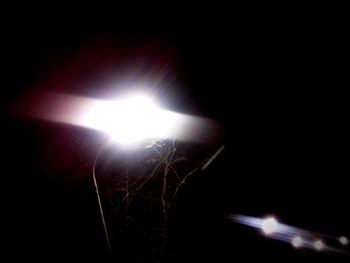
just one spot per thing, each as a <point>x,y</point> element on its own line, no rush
<point>180,184</point>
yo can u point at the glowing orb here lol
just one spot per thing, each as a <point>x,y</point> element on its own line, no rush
<point>269,225</point>
<point>319,245</point>
<point>297,241</point>
<point>343,240</point>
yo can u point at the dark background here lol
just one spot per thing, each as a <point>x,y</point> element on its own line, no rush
<point>278,84</point>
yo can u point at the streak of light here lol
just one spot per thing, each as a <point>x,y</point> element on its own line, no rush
<point>125,119</point>
<point>297,237</point>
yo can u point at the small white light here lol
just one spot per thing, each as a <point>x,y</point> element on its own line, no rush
<point>319,245</point>
<point>269,225</point>
<point>297,241</point>
<point>344,240</point>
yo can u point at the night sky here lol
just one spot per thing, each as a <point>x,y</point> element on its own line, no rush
<point>278,87</point>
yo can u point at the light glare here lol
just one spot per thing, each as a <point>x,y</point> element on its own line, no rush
<point>130,120</point>
<point>125,120</point>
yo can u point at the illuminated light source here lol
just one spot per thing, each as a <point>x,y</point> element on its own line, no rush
<point>130,120</point>
<point>125,120</point>
<point>269,225</point>
<point>319,245</point>
<point>343,240</point>
<point>297,241</point>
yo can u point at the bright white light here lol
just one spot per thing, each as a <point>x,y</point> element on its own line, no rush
<point>125,120</point>
<point>130,120</point>
<point>269,225</point>
<point>343,240</point>
<point>297,241</point>
<point>319,245</point>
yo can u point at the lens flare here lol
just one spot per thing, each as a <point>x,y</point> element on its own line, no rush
<point>297,237</point>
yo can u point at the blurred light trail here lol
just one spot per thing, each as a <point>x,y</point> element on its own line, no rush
<point>297,237</point>
<point>126,119</point>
